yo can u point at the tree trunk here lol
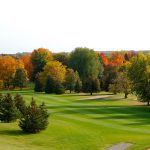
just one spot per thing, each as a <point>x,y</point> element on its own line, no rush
<point>70,91</point>
<point>125,95</point>
<point>91,93</point>
<point>148,103</point>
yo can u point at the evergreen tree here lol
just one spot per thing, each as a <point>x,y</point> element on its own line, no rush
<point>50,85</point>
<point>34,119</point>
<point>8,110</point>
<point>20,78</point>
<point>38,85</point>
<point>59,88</point>
<point>20,103</point>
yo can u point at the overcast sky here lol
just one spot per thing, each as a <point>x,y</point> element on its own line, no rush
<point>62,25</point>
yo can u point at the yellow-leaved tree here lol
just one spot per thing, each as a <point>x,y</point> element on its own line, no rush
<point>54,69</point>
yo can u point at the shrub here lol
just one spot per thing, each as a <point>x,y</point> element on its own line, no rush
<point>34,119</point>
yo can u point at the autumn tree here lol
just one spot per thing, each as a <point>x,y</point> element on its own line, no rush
<point>86,62</point>
<point>54,69</point>
<point>39,59</point>
<point>26,59</point>
<point>139,74</point>
<point>8,66</point>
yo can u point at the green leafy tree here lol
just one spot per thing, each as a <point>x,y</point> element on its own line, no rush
<point>39,59</point>
<point>78,86</point>
<point>86,62</point>
<point>91,85</point>
<point>34,119</point>
<point>121,84</point>
<point>20,78</point>
<point>8,110</point>
<point>71,79</point>
<point>109,76</point>
<point>62,57</point>
<point>139,74</point>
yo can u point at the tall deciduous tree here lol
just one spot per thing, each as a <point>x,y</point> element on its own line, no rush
<point>121,84</point>
<point>86,62</point>
<point>54,69</point>
<point>91,85</point>
<point>39,59</point>
<point>71,79</point>
<point>8,66</point>
<point>26,59</point>
<point>139,74</point>
<point>62,57</point>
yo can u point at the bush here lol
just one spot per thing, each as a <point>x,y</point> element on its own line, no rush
<point>34,119</point>
<point>8,110</point>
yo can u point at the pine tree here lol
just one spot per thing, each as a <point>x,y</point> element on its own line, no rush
<point>20,103</point>
<point>50,85</point>
<point>59,88</point>
<point>20,78</point>
<point>38,85</point>
<point>8,110</point>
<point>35,118</point>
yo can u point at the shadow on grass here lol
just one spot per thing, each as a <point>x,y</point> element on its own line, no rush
<point>12,132</point>
<point>135,115</point>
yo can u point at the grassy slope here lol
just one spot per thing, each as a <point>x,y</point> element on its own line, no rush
<point>82,124</point>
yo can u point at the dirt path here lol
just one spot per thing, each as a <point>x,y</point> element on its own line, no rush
<point>120,146</point>
<point>95,97</point>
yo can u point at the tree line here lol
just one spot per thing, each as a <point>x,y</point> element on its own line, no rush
<point>81,70</point>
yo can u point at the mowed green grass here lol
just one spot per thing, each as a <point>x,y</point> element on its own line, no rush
<point>76,124</point>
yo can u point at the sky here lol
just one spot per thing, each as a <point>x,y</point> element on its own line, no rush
<point>63,25</point>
